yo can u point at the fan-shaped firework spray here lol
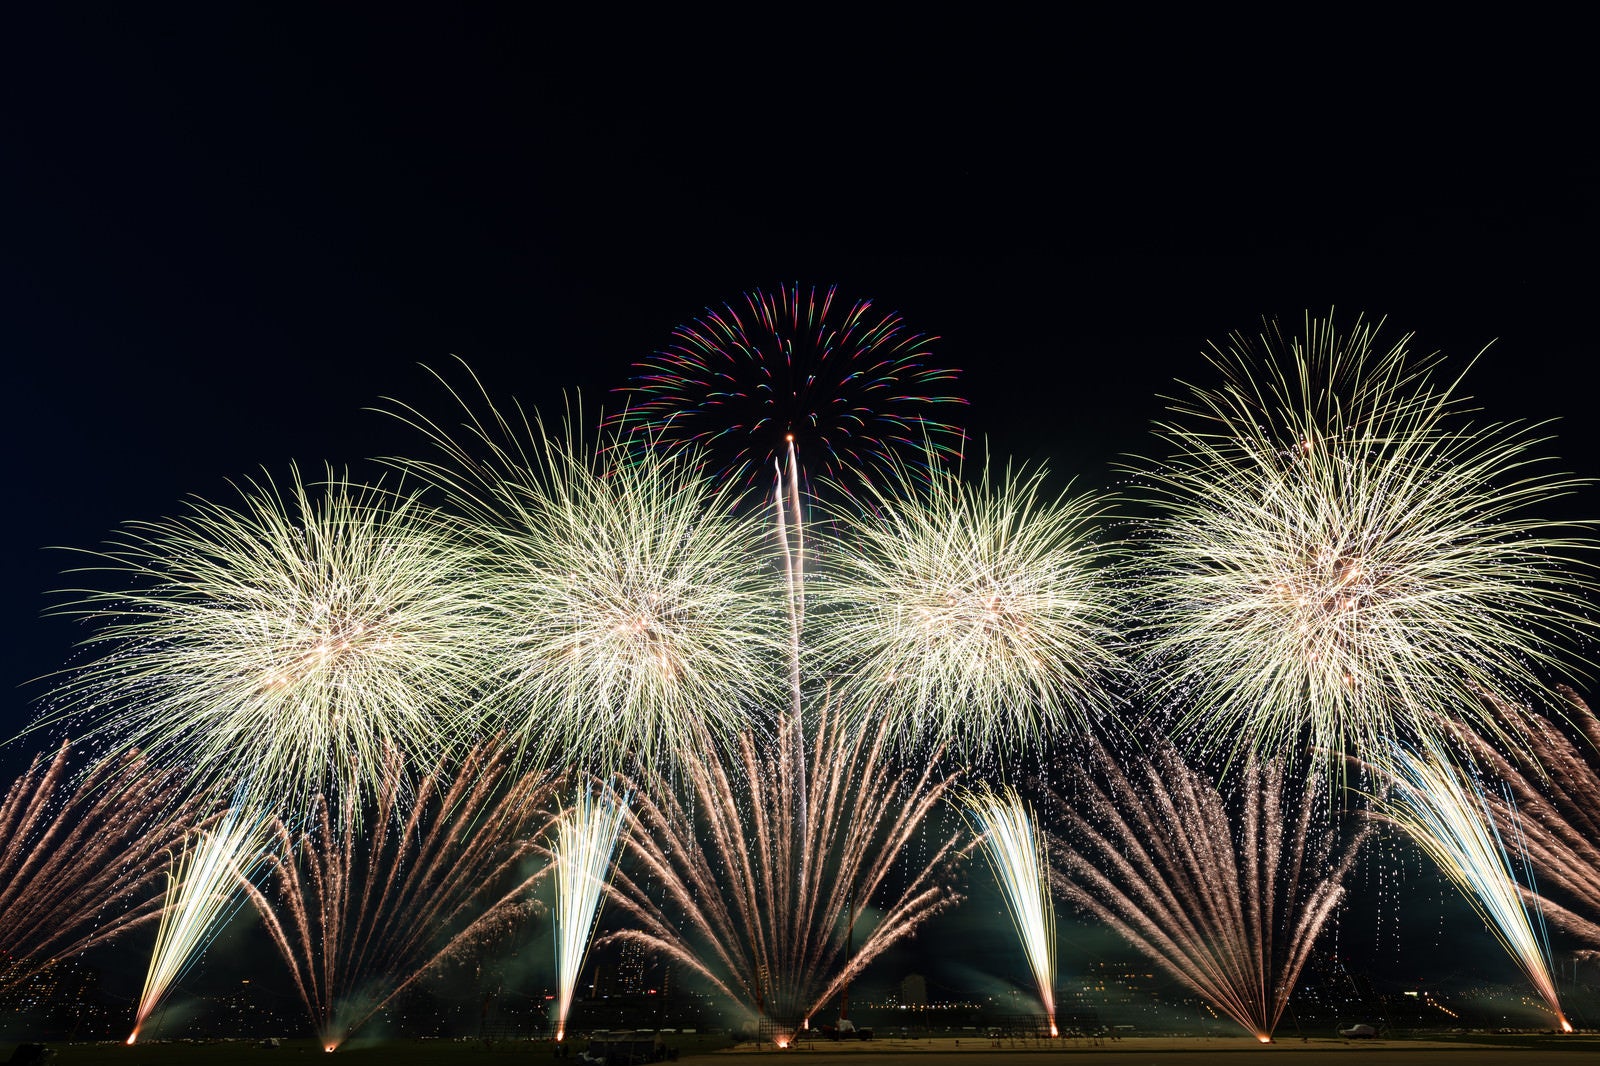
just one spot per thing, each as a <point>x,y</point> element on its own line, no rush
<point>758,899</point>
<point>586,840</point>
<point>1227,896</point>
<point>785,839</point>
<point>362,907</point>
<point>1016,851</point>
<point>1444,811</point>
<point>79,869</point>
<point>1552,777</point>
<point>202,891</point>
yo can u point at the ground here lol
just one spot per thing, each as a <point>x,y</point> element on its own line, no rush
<point>1465,1050</point>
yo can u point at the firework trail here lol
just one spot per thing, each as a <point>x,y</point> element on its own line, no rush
<point>633,610</point>
<point>788,843</point>
<point>1446,813</point>
<point>1227,897</point>
<point>758,899</point>
<point>362,907</point>
<point>298,633</point>
<point>202,892</point>
<point>1340,556</point>
<point>586,840</point>
<point>1017,854</point>
<point>848,385</point>
<point>978,616</point>
<point>81,869</point>
<point>1553,778</point>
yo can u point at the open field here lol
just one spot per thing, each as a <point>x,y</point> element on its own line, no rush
<point>1465,1050</point>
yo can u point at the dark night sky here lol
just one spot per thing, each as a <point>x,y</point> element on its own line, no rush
<point>227,234</point>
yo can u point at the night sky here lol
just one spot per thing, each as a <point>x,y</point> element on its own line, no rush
<point>229,234</point>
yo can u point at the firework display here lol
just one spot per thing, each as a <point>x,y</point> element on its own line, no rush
<point>80,866</point>
<point>586,840</point>
<point>293,637</point>
<point>360,908</point>
<point>771,698</point>
<point>633,613</point>
<point>978,615</point>
<point>853,387</point>
<point>202,891</point>
<point>1553,781</point>
<point>1227,896</point>
<point>1339,555</point>
<point>760,898</point>
<point>1016,850</point>
<point>1445,812</point>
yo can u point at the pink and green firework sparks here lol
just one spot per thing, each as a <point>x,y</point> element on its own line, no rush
<point>851,386</point>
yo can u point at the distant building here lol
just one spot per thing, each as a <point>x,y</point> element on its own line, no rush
<point>631,970</point>
<point>60,1000</point>
<point>914,991</point>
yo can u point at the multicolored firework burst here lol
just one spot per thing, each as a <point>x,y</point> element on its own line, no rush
<point>1017,854</point>
<point>1340,556</point>
<point>586,840</point>
<point>981,616</point>
<point>1225,894</point>
<point>202,892</point>
<point>765,871</point>
<point>81,869</point>
<point>853,388</point>
<point>1444,810</point>
<point>290,639</point>
<point>362,907</point>
<point>633,610</point>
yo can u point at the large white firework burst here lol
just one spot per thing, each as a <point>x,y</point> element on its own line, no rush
<point>976,614</point>
<point>637,614</point>
<point>286,641</point>
<point>1340,553</point>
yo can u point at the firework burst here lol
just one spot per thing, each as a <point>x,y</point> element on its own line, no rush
<point>764,873</point>
<point>853,388</point>
<point>1337,560</point>
<point>362,907</point>
<point>81,869</point>
<point>586,840</point>
<point>1017,854</point>
<point>202,892</point>
<point>1226,896</point>
<point>293,637</point>
<point>975,615</point>
<point>634,611</point>
<point>1446,813</point>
